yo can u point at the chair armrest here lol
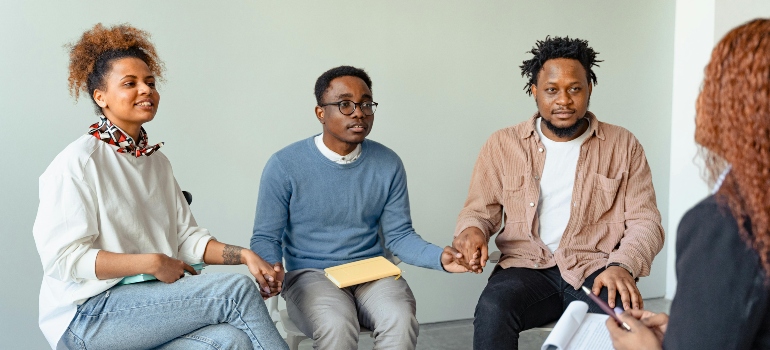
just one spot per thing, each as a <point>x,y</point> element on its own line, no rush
<point>272,309</point>
<point>494,257</point>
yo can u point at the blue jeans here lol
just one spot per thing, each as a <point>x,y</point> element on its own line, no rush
<point>516,299</point>
<point>209,311</point>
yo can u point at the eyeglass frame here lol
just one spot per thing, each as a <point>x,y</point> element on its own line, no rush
<point>355,105</point>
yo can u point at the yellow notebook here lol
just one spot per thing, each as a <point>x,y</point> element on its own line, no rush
<point>361,271</point>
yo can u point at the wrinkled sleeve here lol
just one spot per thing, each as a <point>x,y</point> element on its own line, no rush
<point>643,236</point>
<point>272,213</point>
<point>66,227</point>
<point>191,238</point>
<point>483,208</point>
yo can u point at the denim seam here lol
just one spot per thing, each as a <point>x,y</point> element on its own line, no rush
<point>251,332</point>
<point>78,341</point>
<point>204,340</point>
<point>577,297</point>
<point>150,305</point>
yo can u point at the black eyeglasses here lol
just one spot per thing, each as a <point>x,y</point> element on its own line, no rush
<point>349,107</point>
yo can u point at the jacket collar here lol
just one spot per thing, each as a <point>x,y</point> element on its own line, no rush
<point>595,127</point>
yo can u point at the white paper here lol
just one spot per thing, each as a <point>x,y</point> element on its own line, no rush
<point>579,330</point>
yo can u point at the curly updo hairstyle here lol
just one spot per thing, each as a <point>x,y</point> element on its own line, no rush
<point>558,47</point>
<point>732,127</point>
<point>92,56</point>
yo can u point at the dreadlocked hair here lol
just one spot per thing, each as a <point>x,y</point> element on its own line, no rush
<point>732,128</point>
<point>558,47</point>
<point>91,57</point>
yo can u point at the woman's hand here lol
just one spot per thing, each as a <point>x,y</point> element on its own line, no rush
<point>265,274</point>
<point>167,269</point>
<point>277,285</point>
<point>656,322</point>
<point>647,330</point>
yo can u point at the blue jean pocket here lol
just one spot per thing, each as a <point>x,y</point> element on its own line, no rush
<point>94,305</point>
<point>72,341</point>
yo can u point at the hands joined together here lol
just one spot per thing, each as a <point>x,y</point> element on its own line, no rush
<point>472,243</point>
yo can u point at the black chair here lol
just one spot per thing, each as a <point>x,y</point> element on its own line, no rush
<point>188,197</point>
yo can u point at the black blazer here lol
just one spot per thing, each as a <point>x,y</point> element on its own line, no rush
<point>721,301</point>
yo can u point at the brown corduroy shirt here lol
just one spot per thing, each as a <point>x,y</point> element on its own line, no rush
<point>614,217</point>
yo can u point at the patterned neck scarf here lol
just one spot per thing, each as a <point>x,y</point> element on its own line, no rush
<point>106,131</point>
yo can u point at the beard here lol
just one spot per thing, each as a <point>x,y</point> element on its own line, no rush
<point>567,132</point>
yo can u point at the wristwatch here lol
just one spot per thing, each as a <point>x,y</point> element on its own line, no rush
<point>623,266</point>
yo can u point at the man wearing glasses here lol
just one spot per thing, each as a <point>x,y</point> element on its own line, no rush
<point>323,200</point>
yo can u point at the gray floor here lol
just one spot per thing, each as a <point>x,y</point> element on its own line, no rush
<point>458,335</point>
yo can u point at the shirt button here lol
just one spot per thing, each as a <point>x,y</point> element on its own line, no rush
<point>540,149</point>
<point>574,204</point>
<point>537,265</point>
<point>537,177</point>
<point>531,204</point>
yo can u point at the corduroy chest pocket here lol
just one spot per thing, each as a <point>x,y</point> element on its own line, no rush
<point>515,198</point>
<point>607,196</point>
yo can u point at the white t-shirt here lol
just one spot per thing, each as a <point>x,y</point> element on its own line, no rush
<point>93,198</point>
<point>556,184</point>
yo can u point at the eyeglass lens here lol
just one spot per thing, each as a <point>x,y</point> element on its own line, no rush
<point>348,107</point>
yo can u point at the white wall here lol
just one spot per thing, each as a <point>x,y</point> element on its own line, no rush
<point>700,24</point>
<point>239,87</point>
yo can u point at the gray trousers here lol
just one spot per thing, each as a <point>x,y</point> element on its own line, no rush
<point>332,316</point>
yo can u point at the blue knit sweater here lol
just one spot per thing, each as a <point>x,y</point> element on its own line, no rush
<point>326,214</point>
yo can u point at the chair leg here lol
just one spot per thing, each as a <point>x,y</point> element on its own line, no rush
<point>293,341</point>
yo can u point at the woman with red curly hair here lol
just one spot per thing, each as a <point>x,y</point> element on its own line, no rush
<point>723,243</point>
<point>110,208</point>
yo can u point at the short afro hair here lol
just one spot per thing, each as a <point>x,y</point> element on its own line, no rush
<point>558,47</point>
<point>91,57</point>
<point>325,79</point>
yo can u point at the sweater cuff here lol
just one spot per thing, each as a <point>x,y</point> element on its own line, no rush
<point>437,251</point>
<point>85,267</point>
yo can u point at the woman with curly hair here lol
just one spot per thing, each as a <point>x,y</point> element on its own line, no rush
<point>111,208</point>
<point>723,243</point>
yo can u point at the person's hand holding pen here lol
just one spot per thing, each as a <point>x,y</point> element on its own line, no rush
<point>647,330</point>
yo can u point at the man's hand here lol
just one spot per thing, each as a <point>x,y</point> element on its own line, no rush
<point>452,261</point>
<point>277,285</point>
<point>167,269</point>
<point>640,336</point>
<point>472,244</point>
<point>618,280</point>
<point>264,273</point>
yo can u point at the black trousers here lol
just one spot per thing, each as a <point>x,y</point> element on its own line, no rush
<point>516,299</point>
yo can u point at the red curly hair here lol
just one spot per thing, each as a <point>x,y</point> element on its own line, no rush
<point>733,128</point>
<point>90,57</point>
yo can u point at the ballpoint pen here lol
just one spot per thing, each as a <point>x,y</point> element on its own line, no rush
<point>606,308</point>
